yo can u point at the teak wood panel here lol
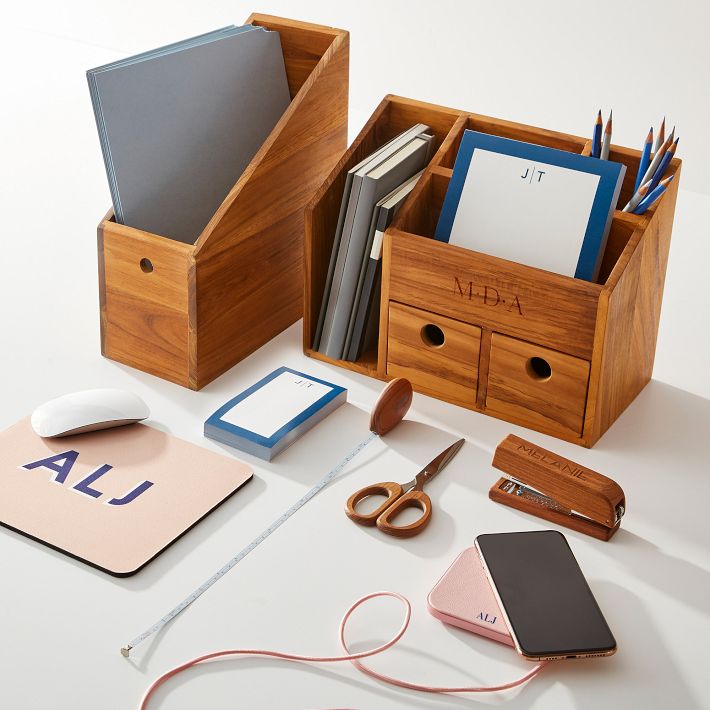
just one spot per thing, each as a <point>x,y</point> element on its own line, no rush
<point>144,316</point>
<point>313,129</point>
<point>448,369</point>
<point>629,318</point>
<point>264,263</point>
<point>554,403</point>
<point>493,293</point>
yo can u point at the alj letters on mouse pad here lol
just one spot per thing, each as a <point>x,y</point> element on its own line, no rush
<point>115,498</point>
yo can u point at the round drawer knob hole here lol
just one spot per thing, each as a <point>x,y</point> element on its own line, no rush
<point>433,336</point>
<point>146,266</point>
<point>539,369</point>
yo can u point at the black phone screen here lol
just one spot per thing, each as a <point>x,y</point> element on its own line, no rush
<point>544,594</point>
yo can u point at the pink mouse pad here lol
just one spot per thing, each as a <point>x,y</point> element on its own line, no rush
<point>463,597</point>
<point>114,499</point>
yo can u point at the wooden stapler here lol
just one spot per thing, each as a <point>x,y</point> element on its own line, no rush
<point>554,488</point>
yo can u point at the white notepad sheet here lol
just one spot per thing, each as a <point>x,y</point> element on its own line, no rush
<point>541,220</point>
<point>275,404</point>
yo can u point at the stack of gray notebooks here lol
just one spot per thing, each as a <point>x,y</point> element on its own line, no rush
<point>374,190</point>
<point>179,124</point>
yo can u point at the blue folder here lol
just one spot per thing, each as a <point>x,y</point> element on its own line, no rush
<point>611,176</point>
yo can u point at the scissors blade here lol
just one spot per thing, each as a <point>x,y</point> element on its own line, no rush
<point>440,462</point>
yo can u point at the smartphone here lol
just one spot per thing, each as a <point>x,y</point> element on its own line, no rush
<point>545,600</point>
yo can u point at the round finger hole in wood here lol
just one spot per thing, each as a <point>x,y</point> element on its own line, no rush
<point>539,369</point>
<point>433,336</point>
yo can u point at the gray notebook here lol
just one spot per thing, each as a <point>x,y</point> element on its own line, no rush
<point>364,317</point>
<point>335,254</point>
<point>377,183</point>
<point>178,125</point>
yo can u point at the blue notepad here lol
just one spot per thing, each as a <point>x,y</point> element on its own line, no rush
<point>270,415</point>
<point>539,206</point>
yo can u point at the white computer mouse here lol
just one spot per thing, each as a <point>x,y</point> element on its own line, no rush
<point>88,410</point>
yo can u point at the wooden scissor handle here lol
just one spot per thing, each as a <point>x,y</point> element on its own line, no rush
<point>390,489</point>
<point>413,499</point>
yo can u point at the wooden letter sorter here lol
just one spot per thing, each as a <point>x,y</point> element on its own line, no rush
<point>549,352</point>
<point>187,313</point>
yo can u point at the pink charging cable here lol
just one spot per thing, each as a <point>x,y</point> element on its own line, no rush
<point>354,658</point>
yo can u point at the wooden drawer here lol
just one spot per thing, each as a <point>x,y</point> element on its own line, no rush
<point>536,386</point>
<point>438,355</point>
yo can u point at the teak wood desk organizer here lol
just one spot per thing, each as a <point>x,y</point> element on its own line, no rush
<point>549,352</point>
<point>187,313</point>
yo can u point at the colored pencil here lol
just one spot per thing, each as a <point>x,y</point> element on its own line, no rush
<point>597,136</point>
<point>653,196</point>
<point>656,161</point>
<point>663,165</point>
<point>661,136</point>
<point>606,141</point>
<point>637,197</point>
<point>645,158</point>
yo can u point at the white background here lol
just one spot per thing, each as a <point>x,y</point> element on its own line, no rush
<point>551,64</point>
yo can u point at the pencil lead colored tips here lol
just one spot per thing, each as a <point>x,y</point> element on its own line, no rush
<point>667,180</point>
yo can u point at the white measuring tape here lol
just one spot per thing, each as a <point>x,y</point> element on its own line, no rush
<point>126,650</point>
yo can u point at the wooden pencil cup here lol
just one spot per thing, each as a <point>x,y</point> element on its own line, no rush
<point>550,352</point>
<point>186,312</point>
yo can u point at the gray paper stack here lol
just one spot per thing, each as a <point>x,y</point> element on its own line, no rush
<point>178,125</point>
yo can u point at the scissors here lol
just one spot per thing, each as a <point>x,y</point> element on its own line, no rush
<point>399,497</point>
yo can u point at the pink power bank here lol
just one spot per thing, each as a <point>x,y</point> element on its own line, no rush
<point>463,597</point>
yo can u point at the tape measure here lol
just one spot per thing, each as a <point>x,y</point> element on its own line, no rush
<point>126,650</point>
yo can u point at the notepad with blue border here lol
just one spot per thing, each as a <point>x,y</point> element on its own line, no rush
<point>270,415</point>
<point>527,203</point>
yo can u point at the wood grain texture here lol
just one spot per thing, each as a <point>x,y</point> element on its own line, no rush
<point>573,486</point>
<point>241,283</point>
<point>391,406</point>
<point>630,313</point>
<point>516,392</point>
<point>553,310</point>
<point>600,336</point>
<point>448,370</point>
<point>389,489</point>
<point>144,320</point>
<point>413,499</point>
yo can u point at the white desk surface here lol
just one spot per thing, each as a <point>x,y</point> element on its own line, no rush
<point>62,623</point>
